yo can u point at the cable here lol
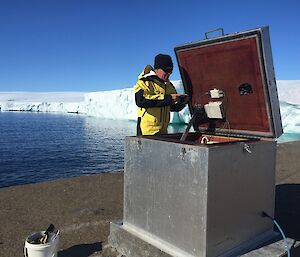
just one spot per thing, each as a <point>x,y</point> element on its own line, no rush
<point>264,214</point>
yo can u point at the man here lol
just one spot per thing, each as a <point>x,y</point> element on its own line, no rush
<point>155,97</point>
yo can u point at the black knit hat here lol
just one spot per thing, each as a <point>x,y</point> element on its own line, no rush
<point>163,61</point>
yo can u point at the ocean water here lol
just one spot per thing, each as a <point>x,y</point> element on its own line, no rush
<point>36,147</point>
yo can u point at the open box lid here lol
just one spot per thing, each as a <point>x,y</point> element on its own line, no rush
<point>239,65</point>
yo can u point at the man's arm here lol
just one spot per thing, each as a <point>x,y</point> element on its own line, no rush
<point>142,102</point>
<point>180,104</point>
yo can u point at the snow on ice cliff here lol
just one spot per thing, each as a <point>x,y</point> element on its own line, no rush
<point>119,104</point>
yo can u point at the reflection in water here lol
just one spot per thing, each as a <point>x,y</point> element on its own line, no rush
<point>37,147</point>
<point>177,128</point>
<point>104,140</point>
<point>288,137</point>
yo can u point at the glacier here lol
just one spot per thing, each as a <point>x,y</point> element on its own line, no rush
<point>120,104</point>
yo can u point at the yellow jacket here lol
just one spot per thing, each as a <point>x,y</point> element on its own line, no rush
<point>154,108</point>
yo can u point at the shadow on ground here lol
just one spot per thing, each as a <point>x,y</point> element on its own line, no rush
<point>287,212</point>
<point>82,250</point>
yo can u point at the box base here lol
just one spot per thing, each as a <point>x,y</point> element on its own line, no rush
<point>129,243</point>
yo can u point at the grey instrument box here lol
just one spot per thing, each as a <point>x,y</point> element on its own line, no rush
<point>204,196</point>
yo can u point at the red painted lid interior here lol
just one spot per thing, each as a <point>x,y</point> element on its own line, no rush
<point>227,66</point>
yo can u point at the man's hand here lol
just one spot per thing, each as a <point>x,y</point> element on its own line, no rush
<point>175,97</point>
<point>180,98</point>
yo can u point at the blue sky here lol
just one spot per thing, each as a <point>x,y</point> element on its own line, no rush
<point>89,45</point>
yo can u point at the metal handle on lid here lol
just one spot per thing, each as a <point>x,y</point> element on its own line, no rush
<point>212,31</point>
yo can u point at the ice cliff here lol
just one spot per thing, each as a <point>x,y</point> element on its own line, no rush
<point>119,104</point>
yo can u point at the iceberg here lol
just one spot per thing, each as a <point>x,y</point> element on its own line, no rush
<point>120,104</point>
<point>63,102</point>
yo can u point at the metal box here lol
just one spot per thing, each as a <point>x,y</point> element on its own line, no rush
<point>204,196</point>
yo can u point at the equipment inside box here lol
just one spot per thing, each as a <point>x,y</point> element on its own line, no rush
<point>211,112</point>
